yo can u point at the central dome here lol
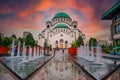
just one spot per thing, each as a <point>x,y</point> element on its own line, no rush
<point>61,15</point>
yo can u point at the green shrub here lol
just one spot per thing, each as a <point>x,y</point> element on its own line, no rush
<point>74,44</point>
<point>6,41</point>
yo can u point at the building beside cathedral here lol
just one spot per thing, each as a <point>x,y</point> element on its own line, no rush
<point>113,14</point>
<point>60,31</point>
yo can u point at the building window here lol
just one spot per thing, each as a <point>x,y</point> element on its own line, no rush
<point>62,19</point>
<point>72,35</point>
<point>48,26</point>
<point>50,35</point>
<point>61,35</point>
<point>61,40</point>
<point>117,18</point>
<point>117,29</point>
<point>66,42</point>
<point>75,26</point>
<point>56,42</point>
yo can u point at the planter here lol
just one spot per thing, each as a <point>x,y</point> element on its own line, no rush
<point>3,50</point>
<point>72,50</point>
<point>27,50</point>
<point>94,50</point>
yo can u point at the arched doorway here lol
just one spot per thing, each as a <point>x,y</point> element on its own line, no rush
<point>56,44</point>
<point>61,43</point>
<point>66,44</point>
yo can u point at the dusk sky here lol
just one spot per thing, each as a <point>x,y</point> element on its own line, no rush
<point>17,16</point>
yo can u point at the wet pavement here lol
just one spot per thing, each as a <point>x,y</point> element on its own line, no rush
<point>60,68</point>
<point>22,70</point>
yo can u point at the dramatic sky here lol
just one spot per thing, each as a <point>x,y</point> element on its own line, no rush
<point>17,16</point>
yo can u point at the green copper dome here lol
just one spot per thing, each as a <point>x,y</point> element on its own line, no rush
<point>61,26</point>
<point>61,15</point>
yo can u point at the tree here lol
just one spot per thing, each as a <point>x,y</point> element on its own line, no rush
<point>79,41</point>
<point>6,41</point>
<point>13,36</point>
<point>29,41</point>
<point>21,39</point>
<point>92,42</point>
<point>0,41</point>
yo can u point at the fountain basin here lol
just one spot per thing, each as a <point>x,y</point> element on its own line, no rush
<point>97,70</point>
<point>23,70</point>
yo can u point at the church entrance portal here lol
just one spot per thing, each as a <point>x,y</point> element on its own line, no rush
<point>61,43</point>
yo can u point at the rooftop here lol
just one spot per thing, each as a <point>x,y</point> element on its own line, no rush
<point>61,15</point>
<point>114,9</point>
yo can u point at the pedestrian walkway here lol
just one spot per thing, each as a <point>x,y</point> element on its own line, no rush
<point>60,68</point>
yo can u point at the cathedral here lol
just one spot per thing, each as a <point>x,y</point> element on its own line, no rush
<point>60,31</point>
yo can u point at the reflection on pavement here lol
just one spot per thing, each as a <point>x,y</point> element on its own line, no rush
<point>60,68</point>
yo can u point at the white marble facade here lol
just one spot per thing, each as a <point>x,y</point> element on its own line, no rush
<point>60,31</point>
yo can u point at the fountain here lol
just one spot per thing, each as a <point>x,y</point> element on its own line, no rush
<point>24,52</point>
<point>98,54</point>
<point>30,53</point>
<point>18,51</point>
<point>87,52</point>
<point>12,52</point>
<point>34,53</point>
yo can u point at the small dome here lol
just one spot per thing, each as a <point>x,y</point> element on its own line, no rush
<point>61,26</point>
<point>48,21</point>
<point>61,15</point>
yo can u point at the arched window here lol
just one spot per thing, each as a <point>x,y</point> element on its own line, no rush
<point>75,26</point>
<point>66,42</point>
<point>48,26</point>
<point>56,42</point>
<point>61,35</point>
<point>61,40</point>
<point>72,35</point>
<point>50,35</point>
